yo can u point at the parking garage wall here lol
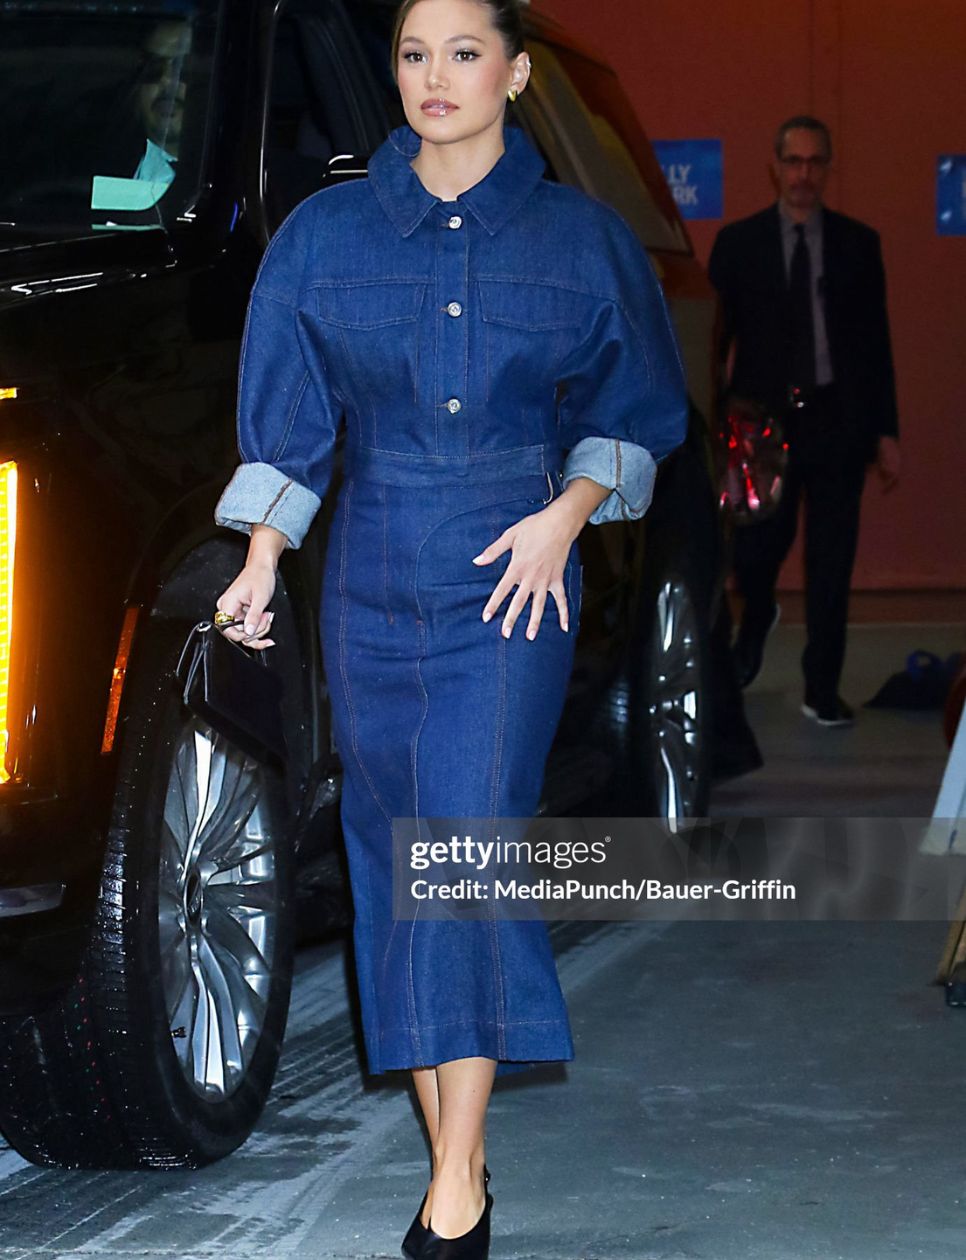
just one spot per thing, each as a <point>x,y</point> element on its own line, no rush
<point>887,75</point>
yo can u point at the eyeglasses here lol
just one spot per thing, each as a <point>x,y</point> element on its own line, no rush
<point>813,163</point>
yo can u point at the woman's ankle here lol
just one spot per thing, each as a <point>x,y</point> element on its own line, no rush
<point>461,1166</point>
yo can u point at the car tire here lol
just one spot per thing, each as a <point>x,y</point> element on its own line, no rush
<point>196,899</point>
<point>669,741</point>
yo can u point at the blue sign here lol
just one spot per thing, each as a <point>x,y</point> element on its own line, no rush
<point>693,170</point>
<point>951,195</point>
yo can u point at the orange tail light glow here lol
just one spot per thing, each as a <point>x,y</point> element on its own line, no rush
<point>8,544</point>
<point>118,676</point>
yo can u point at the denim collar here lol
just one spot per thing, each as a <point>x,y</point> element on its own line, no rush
<point>493,199</point>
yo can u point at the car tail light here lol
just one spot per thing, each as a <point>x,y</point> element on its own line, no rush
<point>8,543</point>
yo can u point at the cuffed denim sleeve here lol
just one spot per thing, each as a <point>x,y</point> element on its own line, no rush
<point>624,405</point>
<point>261,494</point>
<point>287,417</point>
<point>626,469</point>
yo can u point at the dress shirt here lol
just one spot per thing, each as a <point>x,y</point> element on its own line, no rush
<point>814,241</point>
<point>156,164</point>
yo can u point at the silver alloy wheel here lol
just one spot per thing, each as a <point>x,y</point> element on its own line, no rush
<point>217,909</point>
<point>674,701</point>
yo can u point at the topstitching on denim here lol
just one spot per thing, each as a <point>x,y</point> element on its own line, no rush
<point>496,772</point>
<point>343,668</point>
<point>465,384</point>
<point>384,505</point>
<point>290,418</point>
<point>283,491</point>
<point>414,769</point>
<point>575,596</point>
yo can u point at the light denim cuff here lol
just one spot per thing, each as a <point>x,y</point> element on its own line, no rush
<point>626,469</point>
<point>261,494</point>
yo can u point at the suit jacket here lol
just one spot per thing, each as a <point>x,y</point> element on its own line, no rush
<point>747,268</point>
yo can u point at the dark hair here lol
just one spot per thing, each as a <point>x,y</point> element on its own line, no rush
<point>504,14</point>
<point>803,122</point>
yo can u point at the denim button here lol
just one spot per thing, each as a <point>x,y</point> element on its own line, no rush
<point>455,221</point>
<point>454,309</point>
<point>453,404</point>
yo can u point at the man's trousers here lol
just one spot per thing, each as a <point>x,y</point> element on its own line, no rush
<point>823,468</point>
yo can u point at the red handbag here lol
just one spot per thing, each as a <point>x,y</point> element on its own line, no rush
<point>753,457</point>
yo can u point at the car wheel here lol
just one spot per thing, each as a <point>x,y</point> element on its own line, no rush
<point>163,1052</point>
<point>670,710</point>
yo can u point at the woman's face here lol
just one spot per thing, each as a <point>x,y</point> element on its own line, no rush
<point>453,71</point>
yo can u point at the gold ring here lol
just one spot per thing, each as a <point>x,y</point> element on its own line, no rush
<point>223,618</point>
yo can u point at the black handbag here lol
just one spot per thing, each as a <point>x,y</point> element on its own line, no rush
<point>233,690</point>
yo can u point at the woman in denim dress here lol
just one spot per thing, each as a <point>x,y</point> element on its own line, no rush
<point>500,349</point>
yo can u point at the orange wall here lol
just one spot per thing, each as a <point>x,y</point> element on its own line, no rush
<point>889,77</point>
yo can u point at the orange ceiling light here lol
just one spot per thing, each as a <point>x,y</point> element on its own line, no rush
<point>8,546</point>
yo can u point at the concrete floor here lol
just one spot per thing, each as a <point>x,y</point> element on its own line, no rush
<point>762,1091</point>
<point>889,764</point>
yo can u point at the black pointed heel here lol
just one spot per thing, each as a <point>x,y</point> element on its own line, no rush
<point>418,1233</point>
<point>415,1235</point>
<point>473,1245</point>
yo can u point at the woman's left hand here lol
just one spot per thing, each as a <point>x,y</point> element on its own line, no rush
<point>540,544</point>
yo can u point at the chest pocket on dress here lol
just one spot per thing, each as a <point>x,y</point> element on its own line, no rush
<point>373,328</point>
<point>528,330</point>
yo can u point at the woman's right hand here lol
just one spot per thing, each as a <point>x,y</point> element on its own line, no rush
<point>248,597</point>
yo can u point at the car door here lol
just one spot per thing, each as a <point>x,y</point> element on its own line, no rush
<point>322,113</point>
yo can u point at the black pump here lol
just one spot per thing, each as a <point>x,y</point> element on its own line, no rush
<point>418,1235</point>
<point>473,1245</point>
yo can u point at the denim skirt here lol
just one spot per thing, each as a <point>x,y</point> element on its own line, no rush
<point>436,714</point>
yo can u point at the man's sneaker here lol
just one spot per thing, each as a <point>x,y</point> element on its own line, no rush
<point>750,645</point>
<point>828,712</point>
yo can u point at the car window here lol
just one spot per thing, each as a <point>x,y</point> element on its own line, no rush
<point>104,108</point>
<point>322,109</point>
<point>597,144</point>
<point>373,24</point>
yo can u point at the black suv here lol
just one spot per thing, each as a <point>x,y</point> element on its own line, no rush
<point>151,875</point>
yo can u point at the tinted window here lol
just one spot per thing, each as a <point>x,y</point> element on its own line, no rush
<point>320,107</point>
<point>104,109</point>
<point>582,116</point>
<point>373,27</point>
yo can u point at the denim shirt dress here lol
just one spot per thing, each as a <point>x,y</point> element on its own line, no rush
<point>483,353</point>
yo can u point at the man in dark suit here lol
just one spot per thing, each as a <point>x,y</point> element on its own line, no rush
<point>804,312</point>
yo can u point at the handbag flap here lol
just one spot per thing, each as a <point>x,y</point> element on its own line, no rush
<point>236,691</point>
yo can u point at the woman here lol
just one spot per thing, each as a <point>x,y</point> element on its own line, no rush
<point>439,304</point>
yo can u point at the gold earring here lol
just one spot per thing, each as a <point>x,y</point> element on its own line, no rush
<point>512,94</point>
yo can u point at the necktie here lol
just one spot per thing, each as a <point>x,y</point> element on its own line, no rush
<point>801,325</point>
